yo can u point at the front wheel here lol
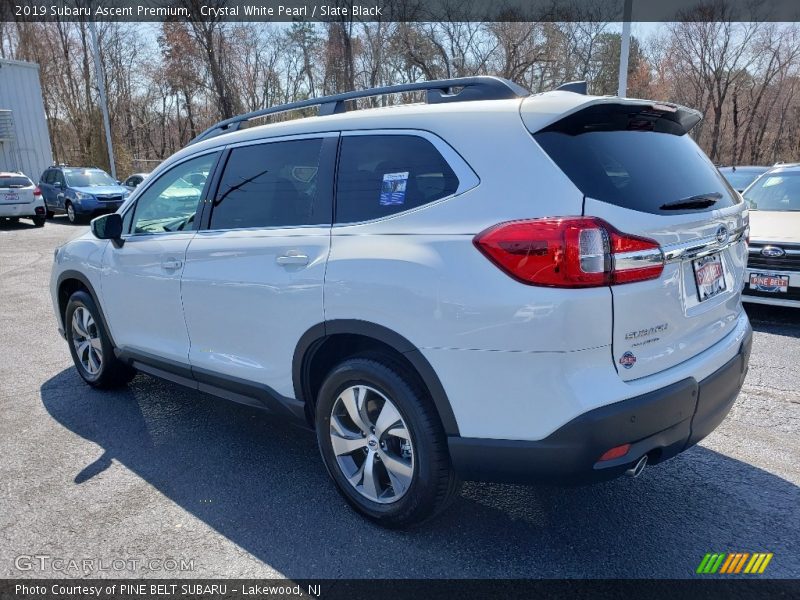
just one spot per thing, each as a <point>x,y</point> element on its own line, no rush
<point>72,215</point>
<point>383,443</point>
<point>90,345</point>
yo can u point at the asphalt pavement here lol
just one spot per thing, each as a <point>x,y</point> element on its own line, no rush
<point>158,481</point>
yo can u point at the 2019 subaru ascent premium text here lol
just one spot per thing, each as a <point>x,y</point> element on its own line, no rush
<point>489,285</point>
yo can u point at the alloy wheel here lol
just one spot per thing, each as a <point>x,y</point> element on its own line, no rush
<point>86,340</point>
<point>372,444</point>
<point>71,213</point>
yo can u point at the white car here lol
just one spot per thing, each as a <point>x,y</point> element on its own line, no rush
<point>773,268</point>
<point>20,198</point>
<point>492,285</point>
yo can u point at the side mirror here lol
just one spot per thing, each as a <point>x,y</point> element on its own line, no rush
<point>108,227</point>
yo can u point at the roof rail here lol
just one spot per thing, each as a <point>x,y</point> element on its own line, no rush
<point>438,91</point>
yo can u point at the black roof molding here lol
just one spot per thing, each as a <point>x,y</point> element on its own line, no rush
<point>461,89</point>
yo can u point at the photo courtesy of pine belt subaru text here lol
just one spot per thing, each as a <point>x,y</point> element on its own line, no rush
<point>490,285</point>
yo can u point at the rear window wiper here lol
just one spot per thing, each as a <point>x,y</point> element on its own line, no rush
<point>698,201</point>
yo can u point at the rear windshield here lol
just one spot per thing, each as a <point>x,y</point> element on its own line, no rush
<point>644,170</point>
<point>14,182</point>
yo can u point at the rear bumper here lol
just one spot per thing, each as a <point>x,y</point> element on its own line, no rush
<point>27,209</point>
<point>660,424</point>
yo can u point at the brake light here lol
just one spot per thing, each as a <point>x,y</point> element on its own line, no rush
<point>37,191</point>
<point>570,252</point>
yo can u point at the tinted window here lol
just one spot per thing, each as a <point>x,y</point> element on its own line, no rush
<point>775,191</point>
<point>58,178</point>
<point>171,202</point>
<point>47,176</point>
<point>380,175</point>
<point>628,161</point>
<point>14,182</point>
<point>270,185</point>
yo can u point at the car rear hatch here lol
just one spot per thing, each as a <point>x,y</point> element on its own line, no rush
<point>642,174</point>
<point>16,189</point>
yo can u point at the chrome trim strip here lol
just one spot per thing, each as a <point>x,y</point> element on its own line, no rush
<point>699,248</point>
<point>787,251</point>
<point>768,271</point>
<point>640,259</point>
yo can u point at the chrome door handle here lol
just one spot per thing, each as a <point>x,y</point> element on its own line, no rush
<point>292,258</point>
<point>171,265</point>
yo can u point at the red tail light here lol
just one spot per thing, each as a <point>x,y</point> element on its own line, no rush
<point>37,191</point>
<point>615,452</point>
<point>570,252</point>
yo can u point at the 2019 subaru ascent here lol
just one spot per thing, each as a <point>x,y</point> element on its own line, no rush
<point>488,285</point>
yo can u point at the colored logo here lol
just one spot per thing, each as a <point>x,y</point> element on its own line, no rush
<point>627,360</point>
<point>772,251</point>
<point>734,563</point>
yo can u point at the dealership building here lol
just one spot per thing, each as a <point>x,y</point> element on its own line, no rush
<point>24,138</point>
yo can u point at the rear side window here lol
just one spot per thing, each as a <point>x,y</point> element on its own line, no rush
<point>14,182</point>
<point>380,175</point>
<point>635,163</point>
<point>271,185</point>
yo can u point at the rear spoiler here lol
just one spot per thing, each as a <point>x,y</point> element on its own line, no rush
<point>605,114</point>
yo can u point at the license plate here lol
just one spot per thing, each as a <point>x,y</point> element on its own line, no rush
<point>11,197</point>
<point>765,282</point>
<point>709,275</point>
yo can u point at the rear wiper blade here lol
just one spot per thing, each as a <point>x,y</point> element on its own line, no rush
<point>698,201</point>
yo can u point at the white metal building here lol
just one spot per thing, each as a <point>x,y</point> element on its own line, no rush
<point>24,138</point>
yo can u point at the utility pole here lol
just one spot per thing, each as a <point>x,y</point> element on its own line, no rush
<point>101,87</point>
<point>625,49</point>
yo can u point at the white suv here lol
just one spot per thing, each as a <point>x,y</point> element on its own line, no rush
<point>20,198</point>
<point>490,285</point>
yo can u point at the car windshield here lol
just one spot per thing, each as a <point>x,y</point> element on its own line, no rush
<point>776,191</point>
<point>740,179</point>
<point>88,178</point>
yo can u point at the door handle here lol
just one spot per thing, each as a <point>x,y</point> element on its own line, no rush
<point>171,264</point>
<point>292,258</point>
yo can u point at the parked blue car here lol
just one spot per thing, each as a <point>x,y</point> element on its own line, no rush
<point>80,192</point>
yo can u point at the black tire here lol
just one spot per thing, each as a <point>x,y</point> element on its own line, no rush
<point>50,214</point>
<point>13,219</point>
<point>73,217</point>
<point>112,372</point>
<point>434,483</point>
<point>39,221</point>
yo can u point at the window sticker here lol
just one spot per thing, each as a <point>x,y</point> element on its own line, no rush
<point>393,189</point>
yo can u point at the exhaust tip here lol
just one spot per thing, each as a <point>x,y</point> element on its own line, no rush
<point>637,469</point>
